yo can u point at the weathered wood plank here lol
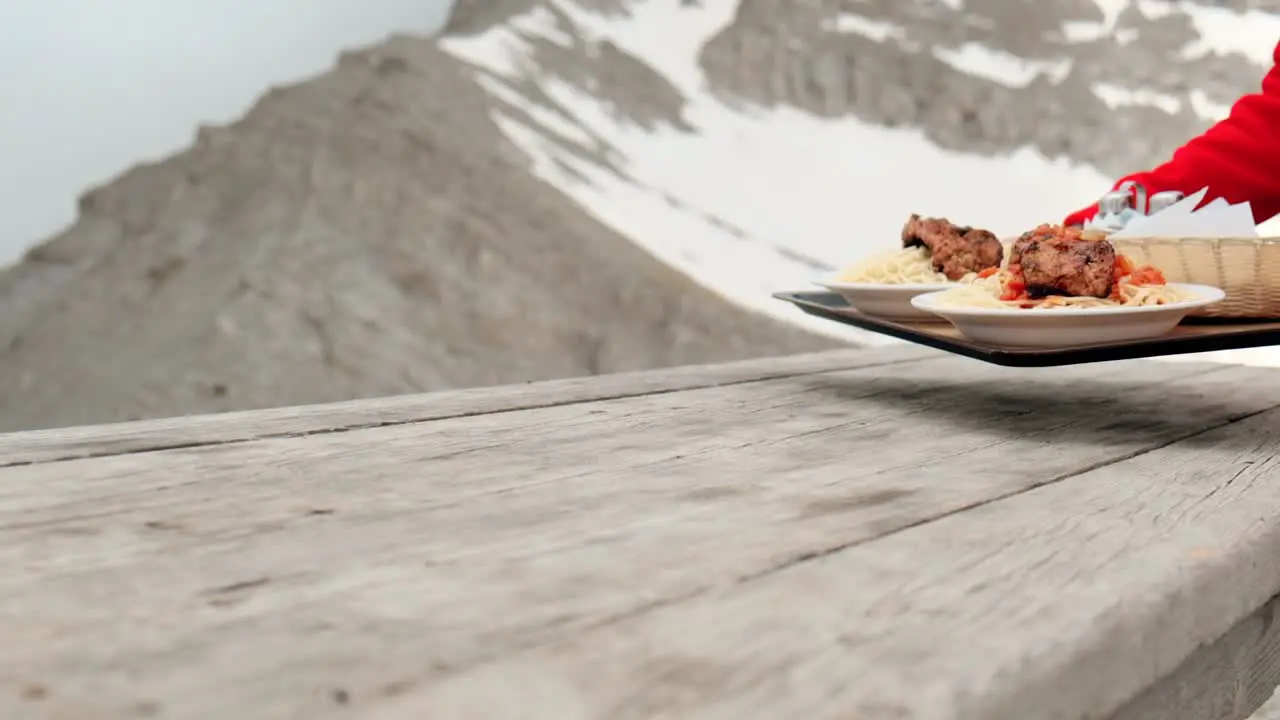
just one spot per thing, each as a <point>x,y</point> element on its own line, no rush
<point>472,457</point>
<point>1061,602</point>
<point>375,560</point>
<point>1225,680</point>
<point>100,440</point>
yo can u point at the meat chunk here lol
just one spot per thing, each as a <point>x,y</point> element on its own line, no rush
<point>956,250</point>
<point>1058,261</point>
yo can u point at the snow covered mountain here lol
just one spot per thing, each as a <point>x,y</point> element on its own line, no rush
<point>476,208</point>
<point>751,143</point>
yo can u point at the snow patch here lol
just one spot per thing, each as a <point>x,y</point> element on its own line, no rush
<point>1207,108</point>
<point>1116,96</point>
<point>666,34</point>
<point>877,30</point>
<point>1252,34</point>
<point>999,66</point>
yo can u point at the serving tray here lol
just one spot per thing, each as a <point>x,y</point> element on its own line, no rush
<point>1193,335</point>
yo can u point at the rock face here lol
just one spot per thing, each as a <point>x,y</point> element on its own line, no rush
<point>1117,91</point>
<point>352,236</point>
<point>380,229</point>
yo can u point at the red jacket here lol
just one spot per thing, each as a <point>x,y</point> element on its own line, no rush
<point>1238,159</point>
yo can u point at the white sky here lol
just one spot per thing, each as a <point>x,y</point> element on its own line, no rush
<point>89,87</point>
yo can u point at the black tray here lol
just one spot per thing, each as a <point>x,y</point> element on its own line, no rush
<point>1194,335</point>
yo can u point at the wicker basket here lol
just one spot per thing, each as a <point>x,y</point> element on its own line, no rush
<point>1248,269</point>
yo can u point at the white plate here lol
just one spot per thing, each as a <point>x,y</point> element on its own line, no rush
<point>1065,327</point>
<point>892,302</point>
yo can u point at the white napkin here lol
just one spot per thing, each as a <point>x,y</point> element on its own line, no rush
<point>1216,219</point>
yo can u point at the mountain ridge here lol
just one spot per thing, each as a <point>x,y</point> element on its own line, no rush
<point>352,235</point>
<point>152,303</point>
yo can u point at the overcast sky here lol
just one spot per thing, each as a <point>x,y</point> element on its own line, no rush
<point>89,88</point>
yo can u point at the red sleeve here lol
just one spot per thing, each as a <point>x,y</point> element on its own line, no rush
<point>1237,159</point>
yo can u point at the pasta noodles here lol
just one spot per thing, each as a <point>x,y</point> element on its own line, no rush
<point>1137,287</point>
<point>913,265</point>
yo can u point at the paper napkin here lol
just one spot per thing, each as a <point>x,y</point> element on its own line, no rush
<point>1218,218</point>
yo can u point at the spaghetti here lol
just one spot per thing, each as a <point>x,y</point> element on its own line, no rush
<point>1004,288</point>
<point>913,265</point>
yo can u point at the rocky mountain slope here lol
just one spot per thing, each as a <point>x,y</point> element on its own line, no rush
<point>480,208</point>
<point>369,232</point>
<point>793,134</point>
<point>1112,83</point>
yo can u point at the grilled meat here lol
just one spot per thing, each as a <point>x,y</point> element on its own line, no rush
<point>1057,261</point>
<point>956,250</point>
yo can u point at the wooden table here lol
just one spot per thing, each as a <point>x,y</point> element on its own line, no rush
<point>876,535</point>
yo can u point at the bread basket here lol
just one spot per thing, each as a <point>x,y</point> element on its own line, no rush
<point>1247,268</point>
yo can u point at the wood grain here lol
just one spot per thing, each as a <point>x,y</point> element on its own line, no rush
<point>1064,601</point>
<point>100,440</point>
<point>1227,679</point>
<point>409,566</point>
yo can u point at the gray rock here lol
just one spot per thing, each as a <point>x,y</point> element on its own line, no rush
<point>352,236</point>
<point>784,52</point>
